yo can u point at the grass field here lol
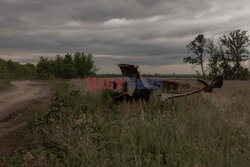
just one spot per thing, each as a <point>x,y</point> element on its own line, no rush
<point>82,128</point>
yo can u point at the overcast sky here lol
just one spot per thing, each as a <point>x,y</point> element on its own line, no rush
<point>151,33</point>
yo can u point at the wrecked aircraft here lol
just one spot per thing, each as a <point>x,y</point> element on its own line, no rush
<point>170,89</point>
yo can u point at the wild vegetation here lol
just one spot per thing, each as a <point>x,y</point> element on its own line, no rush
<point>88,129</point>
<point>13,70</point>
<point>224,58</point>
<point>4,84</point>
<point>79,65</point>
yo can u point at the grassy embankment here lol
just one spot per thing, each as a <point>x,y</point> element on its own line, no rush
<point>87,129</point>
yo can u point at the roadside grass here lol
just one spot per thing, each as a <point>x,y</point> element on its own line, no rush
<point>4,84</point>
<point>88,129</point>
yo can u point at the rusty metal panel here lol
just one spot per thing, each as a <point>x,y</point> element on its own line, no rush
<point>129,70</point>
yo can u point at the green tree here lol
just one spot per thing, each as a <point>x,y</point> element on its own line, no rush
<point>235,44</point>
<point>79,65</point>
<point>3,69</point>
<point>68,69</point>
<point>58,64</point>
<point>197,47</point>
<point>224,63</point>
<point>29,71</point>
<point>84,64</point>
<point>214,58</point>
<point>45,68</point>
<point>90,67</point>
<point>14,70</point>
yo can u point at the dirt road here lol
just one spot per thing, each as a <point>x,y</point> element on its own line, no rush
<point>23,94</point>
<point>13,106</point>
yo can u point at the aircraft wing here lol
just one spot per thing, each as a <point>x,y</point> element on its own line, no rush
<point>129,70</point>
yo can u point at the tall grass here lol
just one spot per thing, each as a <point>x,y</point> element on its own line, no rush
<point>4,83</point>
<point>81,129</point>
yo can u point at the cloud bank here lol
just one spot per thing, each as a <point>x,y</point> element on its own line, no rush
<point>152,33</point>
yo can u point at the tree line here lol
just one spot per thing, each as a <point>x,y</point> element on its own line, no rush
<point>77,65</point>
<point>15,70</point>
<point>70,66</point>
<point>225,56</point>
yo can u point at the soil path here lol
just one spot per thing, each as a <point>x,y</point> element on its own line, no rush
<point>13,104</point>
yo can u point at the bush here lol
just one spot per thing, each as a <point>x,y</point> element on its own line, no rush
<point>242,73</point>
<point>14,70</point>
<point>4,84</point>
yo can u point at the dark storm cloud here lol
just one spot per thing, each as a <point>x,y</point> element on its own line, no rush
<point>149,32</point>
<point>101,10</point>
